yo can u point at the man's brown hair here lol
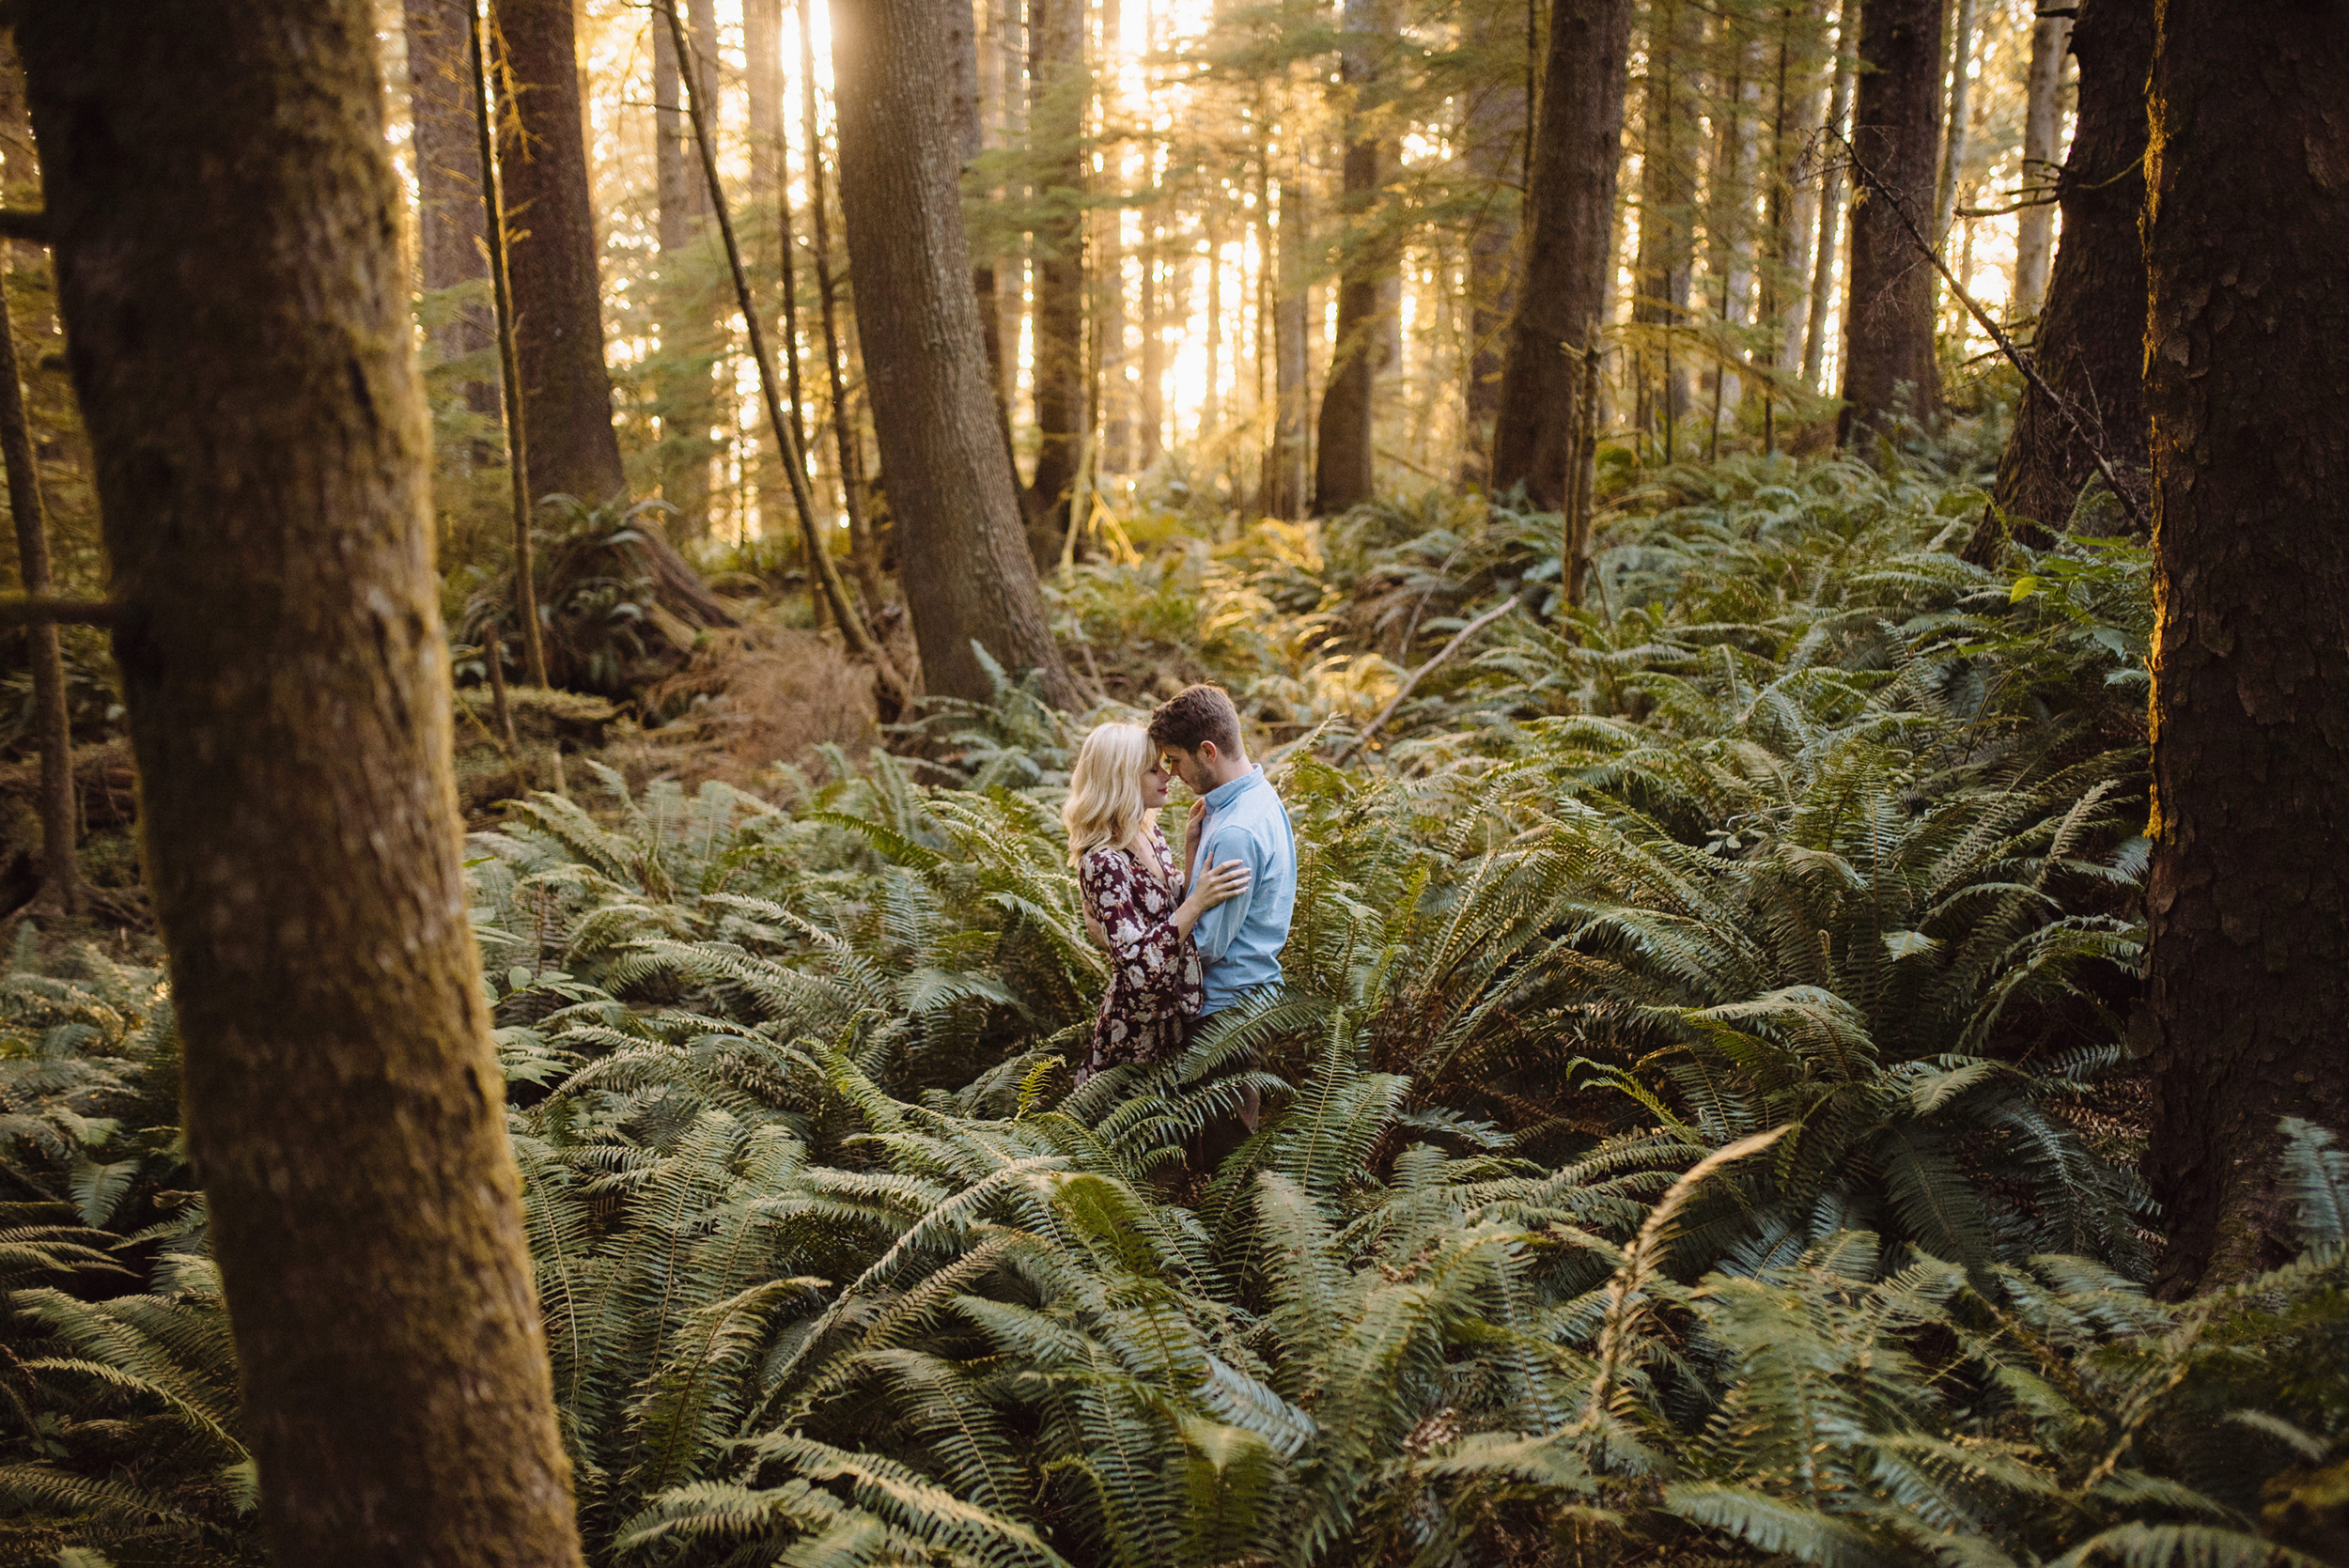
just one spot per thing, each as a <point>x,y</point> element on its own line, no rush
<point>1194,716</point>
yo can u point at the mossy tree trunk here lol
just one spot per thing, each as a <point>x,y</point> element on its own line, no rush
<point>1493,131</point>
<point>226,227</point>
<point>968,575</point>
<point>2247,371</point>
<point>1578,147</point>
<point>1889,365</point>
<point>687,394</point>
<point>558,301</point>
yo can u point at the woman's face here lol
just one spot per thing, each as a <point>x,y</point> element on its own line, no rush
<point>1154,784</point>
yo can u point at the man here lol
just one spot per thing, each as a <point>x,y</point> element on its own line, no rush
<point>1238,817</point>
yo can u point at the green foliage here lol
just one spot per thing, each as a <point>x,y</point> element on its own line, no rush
<point>1680,1141</point>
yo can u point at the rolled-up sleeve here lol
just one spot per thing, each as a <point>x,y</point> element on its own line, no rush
<point>1214,934</point>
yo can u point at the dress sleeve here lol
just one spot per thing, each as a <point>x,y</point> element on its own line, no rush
<point>1137,913</point>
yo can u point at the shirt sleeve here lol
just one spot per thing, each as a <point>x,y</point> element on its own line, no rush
<point>1214,934</point>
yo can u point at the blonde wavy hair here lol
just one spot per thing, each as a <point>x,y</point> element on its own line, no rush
<point>1105,789</point>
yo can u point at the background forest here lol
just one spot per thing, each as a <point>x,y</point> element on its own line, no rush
<point>1776,1062</point>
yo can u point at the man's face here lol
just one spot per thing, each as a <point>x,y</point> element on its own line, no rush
<point>1189,767</point>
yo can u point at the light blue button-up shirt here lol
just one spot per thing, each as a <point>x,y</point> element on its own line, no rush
<point>1239,940</point>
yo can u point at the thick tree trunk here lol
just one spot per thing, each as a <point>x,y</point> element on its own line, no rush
<point>1058,90</point>
<point>229,270</point>
<point>770,187</point>
<point>1344,460</point>
<point>1577,147</point>
<point>2034,242</point>
<point>442,98</point>
<point>1495,153</point>
<point>60,819</point>
<point>2091,353</point>
<point>1667,217</point>
<point>968,575</point>
<point>1831,185</point>
<point>2248,359</point>
<point>558,331</point>
<point>1889,365</point>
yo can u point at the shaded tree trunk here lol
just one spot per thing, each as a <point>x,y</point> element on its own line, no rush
<point>2035,242</point>
<point>2247,361</point>
<point>968,575</point>
<point>261,470</point>
<point>558,331</point>
<point>1889,365</point>
<point>770,186</point>
<point>441,100</point>
<point>1667,217</point>
<point>1345,462</point>
<point>2092,354</point>
<point>53,729</point>
<point>1494,129</point>
<point>1058,93</point>
<point>1577,147</point>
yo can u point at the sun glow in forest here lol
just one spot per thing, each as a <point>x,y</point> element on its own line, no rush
<point>1252,784</point>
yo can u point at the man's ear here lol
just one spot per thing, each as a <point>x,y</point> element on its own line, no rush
<point>1207,753</point>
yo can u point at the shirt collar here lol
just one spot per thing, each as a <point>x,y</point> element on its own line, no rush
<point>1223,795</point>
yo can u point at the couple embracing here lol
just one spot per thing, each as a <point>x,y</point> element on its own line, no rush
<point>1186,938</point>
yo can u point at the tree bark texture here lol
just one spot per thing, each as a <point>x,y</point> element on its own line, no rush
<point>2034,242</point>
<point>2091,353</point>
<point>1344,458</point>
<point>443,99</point>
<point>53,728</point>
<point>969,577</point>
<point>1056,112</point>
<point>1669,129</point>
<point>1494,129</point>
<point>566,390</point>
<point>1889,365</point>
<point>2247,367</point>
<point>1577,147</point>
<point>230,273</point>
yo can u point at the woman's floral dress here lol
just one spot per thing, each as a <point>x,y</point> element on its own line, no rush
<point>1154,970</point>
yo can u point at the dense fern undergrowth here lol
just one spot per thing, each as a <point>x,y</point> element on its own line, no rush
<point>1698,1131</point>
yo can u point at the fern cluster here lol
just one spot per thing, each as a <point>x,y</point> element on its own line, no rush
<point>1690,1131</point>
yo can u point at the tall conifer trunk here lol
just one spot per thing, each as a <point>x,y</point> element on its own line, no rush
<point>1494,129</point>
<point>1889,365</point>
<point>688,335</point>
<point>2035,240</point>
<point>1345,462</point>
<point>1288,474</point>
<point>1667,217</point>
<point>441,97</point>
<point>1577,147</point>
<point>968,575</point>
<point>1057,120</point>
<point>558,321</point>
<point>229,270</point>
<point>2090,354</point>
<point>2247,361</point>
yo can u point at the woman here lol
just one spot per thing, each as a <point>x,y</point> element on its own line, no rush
<point>1135,901</point>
